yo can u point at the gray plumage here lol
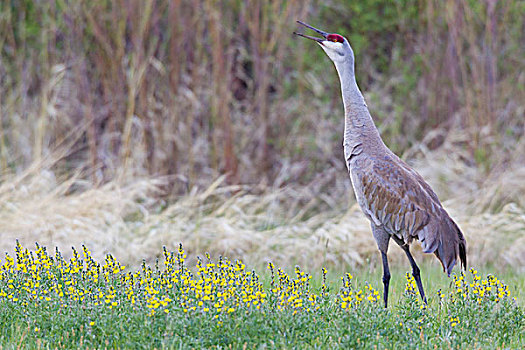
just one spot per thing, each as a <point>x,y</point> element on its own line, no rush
<point>393,196</point>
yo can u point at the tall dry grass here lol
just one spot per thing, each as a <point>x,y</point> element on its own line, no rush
<point>305,225</point>
<point>117,119</point>
<point>201,88</point>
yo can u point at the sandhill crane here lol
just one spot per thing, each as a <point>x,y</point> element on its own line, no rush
<point>393,196</point>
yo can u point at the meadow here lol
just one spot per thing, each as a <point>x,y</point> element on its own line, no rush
<point>128,126</point>
<point>48,301</point>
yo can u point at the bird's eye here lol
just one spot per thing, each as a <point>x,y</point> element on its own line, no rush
<point>336,38</point>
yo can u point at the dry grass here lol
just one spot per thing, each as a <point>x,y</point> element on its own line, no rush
<point>304,225</point>
<point>200,88</point>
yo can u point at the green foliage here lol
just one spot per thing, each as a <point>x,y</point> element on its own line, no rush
<point>373,28</point>
<point>53,302</point>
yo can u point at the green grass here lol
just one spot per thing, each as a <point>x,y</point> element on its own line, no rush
<point>433,279</point>
<point>48,301</point>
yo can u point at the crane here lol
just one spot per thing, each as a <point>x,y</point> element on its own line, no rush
<point>393,196</point>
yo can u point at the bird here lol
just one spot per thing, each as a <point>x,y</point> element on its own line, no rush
<point>397,201</point>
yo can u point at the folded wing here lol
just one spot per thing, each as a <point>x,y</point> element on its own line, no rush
<point>397,198</point>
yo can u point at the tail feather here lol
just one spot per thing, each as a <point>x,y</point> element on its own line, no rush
<point>462,247</point>
<point>452,244</point>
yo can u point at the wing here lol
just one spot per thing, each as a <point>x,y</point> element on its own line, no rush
<point>393,196</point>
<point>397,198</point>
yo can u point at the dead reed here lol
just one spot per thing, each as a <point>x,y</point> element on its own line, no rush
<point>313,225</point>
<point>202,88</point>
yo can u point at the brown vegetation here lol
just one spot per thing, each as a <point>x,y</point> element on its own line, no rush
<point>118,117</point>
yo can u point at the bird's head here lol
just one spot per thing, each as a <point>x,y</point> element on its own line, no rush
<point>336,46</point>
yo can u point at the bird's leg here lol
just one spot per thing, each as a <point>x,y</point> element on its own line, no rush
<point>416,274</point>
<point>382,239</point>
<point>386,277</point>
<point>415,268</point>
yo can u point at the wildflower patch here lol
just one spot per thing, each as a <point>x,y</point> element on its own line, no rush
<point>47,299</point>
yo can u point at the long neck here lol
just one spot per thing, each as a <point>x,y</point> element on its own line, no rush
<point>358,122</point>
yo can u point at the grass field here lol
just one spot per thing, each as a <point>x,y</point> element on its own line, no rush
<point>48,301</point>
<point>132,127</point>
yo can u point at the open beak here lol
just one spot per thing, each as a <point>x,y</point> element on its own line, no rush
<point>319,40</point>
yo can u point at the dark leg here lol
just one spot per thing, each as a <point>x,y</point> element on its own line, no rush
<point>386,277</point>
<point>416,274</point>
<point>382,238</point>
<point>415,268</point>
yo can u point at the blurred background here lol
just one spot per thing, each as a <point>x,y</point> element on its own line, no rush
<point>132,124</point>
